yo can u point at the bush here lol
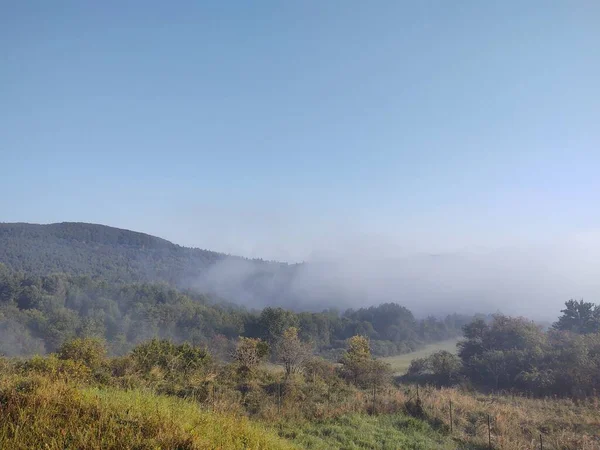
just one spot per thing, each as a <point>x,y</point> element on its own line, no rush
<point>89,351</point>
<point>441,368</point>
<point>174,360</point>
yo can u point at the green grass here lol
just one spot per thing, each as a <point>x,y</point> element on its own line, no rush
<point>400,363</point>
<point>360,431</point>
<point>37,413</point>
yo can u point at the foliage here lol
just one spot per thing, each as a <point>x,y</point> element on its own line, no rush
<point>40,313</point>
<point>39,413</point>
<point>249,353</point>
<point>359,367</point>
<point>100,251</point>
<point>63,403</point>
<point>514,353</point>
<point>579,317</point>
<point>176,360</point>
<point>272,322</point>
<point>88,351</point>
<point>441,368</point>
<point>292,352</point>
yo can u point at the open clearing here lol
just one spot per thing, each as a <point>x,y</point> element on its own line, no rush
<point>400,363</point>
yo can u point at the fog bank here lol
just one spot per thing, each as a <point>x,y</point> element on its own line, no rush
<point>531,280</point>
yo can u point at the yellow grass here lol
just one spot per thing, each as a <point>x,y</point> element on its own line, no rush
<point>400,363</point>
<point>516,422</point>
<point>38,413</point>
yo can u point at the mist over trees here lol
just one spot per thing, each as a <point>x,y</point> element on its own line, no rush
<point>519,281</point>
<point>78,281</point>
<point>39,313</point>
<point>110,253</point>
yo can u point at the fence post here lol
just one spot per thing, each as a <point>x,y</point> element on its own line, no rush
<point>213,396</point>
<point>451,427</point>
<point>374,392</point>
<point>279,398</point>
<point>489,433</point>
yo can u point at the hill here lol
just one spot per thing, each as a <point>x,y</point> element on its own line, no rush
<point>54,414</point>
<point>118,255</point>
<point>99,250</point>
<point>420,282</point>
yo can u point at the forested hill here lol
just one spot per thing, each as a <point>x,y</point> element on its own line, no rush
<point>101,251</point>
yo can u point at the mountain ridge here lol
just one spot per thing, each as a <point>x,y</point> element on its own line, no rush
<point>126,256</point>
<point>77,227</point>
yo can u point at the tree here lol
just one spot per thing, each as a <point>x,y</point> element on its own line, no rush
<point>579,317</point>
<point>89,351</point>
<point>9,286</point>
<point>175,360</point>
<point>359,367</point>
<point>442,368</point>
<point>16,340</point>
<point>496,354</point>
<point>292,352</point>
<point>249,353</point>
<point>445,366</point>
<point>355,361</point>
<point>273,322</point>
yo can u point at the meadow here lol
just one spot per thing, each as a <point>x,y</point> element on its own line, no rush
<point>401,363</point>
<point>38,412</point>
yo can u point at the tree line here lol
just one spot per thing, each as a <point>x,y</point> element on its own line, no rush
<point>39,313</point>
<point>515,354</point>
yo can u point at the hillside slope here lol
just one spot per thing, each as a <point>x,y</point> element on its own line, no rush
<point>126,256</point>
<point>40,413</point>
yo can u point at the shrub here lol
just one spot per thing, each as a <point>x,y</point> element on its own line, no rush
<point>88,351</point>
<point>441,368</point>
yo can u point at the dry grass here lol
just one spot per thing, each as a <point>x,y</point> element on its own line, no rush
<point>516,422</point>
<point>38,413</point>
<point>39,409</point>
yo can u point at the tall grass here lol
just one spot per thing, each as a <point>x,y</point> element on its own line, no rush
<point>53,403</point>
<point>36,412</point>
<point>360,431</point>
<point>516,422</point>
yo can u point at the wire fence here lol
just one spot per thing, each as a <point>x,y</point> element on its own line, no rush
<point>476,425</point>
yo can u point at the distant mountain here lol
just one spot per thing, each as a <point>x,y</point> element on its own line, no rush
<point>107,252</point>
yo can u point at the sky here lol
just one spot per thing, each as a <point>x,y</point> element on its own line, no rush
<point>286,130</point>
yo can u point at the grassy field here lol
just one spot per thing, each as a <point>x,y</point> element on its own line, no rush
<point>56,404</point>
<point>39,413</point>
<point>400,363</point>
<point>46,412</point>
<point>516,422</point>
<point>360,431</point>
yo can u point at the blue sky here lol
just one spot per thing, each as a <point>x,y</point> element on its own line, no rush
<point>278,128</point>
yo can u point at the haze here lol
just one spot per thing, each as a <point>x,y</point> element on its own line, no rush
<point>442,155</point>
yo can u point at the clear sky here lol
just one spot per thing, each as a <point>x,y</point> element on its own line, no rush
<point>274,128</point>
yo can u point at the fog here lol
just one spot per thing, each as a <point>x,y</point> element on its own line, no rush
<point>533,280</point>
